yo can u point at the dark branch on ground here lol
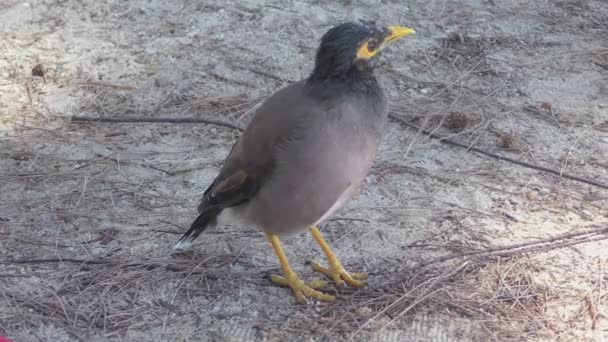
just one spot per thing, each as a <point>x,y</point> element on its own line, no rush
<point>133,119</point>
<point>393,116</point>
<point>536,246</point>
<point>447,141</point>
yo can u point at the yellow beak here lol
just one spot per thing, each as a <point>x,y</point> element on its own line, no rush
<point>398,32</point>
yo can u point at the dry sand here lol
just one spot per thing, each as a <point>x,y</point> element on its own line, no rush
<point>89,211</point>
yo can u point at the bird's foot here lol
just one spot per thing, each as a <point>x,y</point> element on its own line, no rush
<point>339,275</point>
<point>301,289</point>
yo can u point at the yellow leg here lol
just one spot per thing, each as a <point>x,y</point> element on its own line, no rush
<point>291,279</point>
<point>335,271</point>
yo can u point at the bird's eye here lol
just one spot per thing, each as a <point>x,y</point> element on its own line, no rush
<point>372,45</point>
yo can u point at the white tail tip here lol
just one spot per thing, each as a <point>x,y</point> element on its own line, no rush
<point>183,245</point>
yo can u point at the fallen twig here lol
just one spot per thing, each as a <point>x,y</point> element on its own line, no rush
<point>444,140</point>
<point>83,118</point>
<point>592,312</point>
<point>110,85</point>
<point>541,245</point>
<point>56,260</point>
<point>393,116</point>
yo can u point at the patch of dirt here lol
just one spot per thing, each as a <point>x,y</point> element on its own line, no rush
<point>459,246</point>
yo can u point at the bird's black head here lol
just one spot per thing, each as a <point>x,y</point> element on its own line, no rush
<point>350,49</point>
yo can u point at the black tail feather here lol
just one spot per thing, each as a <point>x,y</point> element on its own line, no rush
<point>205,219</point>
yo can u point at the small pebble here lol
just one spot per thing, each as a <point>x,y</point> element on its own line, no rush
<point>531,195</point>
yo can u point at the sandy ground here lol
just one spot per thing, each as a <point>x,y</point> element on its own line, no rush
<point>89,211</point>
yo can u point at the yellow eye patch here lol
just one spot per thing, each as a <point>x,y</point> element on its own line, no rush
<point>366,51</point>
<point>372,46</point>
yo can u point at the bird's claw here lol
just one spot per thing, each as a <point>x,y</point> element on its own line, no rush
<point>303,290</point>
<point>339,275</point>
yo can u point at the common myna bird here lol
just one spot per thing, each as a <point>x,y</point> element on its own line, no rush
<point>306,150</point>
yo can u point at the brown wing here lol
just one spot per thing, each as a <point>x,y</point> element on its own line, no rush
<point>229,189</point>
<point>251,160</point>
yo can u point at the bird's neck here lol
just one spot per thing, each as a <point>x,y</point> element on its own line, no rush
<point>357,78</point>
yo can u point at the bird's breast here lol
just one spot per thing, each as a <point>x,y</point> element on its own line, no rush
<point>315,176</point>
